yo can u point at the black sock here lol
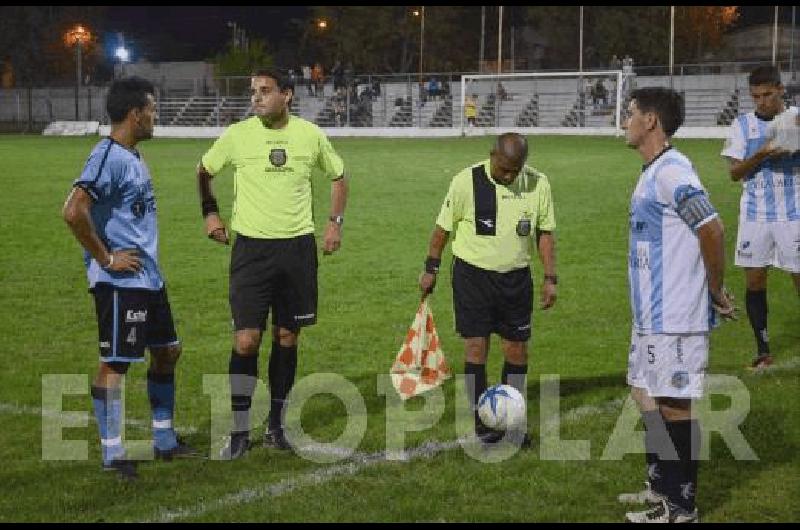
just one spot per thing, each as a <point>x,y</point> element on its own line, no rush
<point>282,369</point>
<point>243,374</point>
<point>657,444</point>
<point>516,374</point>
<point>756,303</point>
<point>680,476</point>
<point>475,384</point>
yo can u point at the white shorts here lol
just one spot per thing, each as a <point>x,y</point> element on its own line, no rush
<point>668,365</point>
<point>760,244</point>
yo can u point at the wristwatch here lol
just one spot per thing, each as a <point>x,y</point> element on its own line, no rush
<point>338,219</point>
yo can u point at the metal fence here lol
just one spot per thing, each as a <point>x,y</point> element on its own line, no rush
<point>358,100</point>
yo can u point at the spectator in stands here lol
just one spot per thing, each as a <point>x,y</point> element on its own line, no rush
<point>471,109</point>
<point>433,89</point>
<point>599,93</point>
<point>338,76</point>
<point>376,89</point>
<point>306,69</point>
<point>502,94</point>
<point>318,78</point>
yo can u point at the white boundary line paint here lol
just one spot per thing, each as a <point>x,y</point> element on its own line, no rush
<point>313,478</point>
<point>27,410</point>
<point>357,463</point>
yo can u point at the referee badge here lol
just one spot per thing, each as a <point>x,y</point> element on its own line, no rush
<point>277,157</point>
<point>524,227</point>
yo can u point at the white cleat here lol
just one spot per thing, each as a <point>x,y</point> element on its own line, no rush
<point>646,496</point>
<point>663,512</point>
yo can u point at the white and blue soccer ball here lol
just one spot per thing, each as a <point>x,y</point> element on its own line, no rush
<point>502,407</point>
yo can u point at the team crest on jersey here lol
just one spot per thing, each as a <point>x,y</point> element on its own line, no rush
<point>745,244</point>
<point>680,379</point>
<point>277,157</point>
<point>138,207</point>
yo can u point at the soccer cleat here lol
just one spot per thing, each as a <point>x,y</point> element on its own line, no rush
<point>521,438</point>
<point>646,496</point>
<point>663,512</point>
<point>762,361</point>
<point>182,450</point>
<point>485,435</point>
<point>126,469</point>
<point>236,445</point>
<point>275,438</point>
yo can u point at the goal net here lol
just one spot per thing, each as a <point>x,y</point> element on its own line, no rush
<point>561,102</point>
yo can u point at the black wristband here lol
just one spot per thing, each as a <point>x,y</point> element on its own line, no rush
<point>210,206</point>
<point>552,278</point>
<point>432,265</point>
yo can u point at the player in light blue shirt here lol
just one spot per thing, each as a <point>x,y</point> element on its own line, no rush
<point>111,211</point>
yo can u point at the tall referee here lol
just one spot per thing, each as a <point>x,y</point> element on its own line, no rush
<point>497,209</point>
<point>274,258</point>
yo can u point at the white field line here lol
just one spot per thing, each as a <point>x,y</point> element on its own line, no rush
<point>27,410</point>
<point>357,463</point>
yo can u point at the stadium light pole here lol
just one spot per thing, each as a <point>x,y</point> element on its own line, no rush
<point>483,33</point>
<point>775,38</point>
<point>671,45</point>
<point>500,41</point>
<point>580,44</point>
<point>77,36</point>
<point>791,47</point>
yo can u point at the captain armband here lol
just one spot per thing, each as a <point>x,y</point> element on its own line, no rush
<point>695,209</point>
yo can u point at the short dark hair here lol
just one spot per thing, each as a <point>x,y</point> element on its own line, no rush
<point>765,75</point>
<point>283,81</point>
<point>127,94</point>
<point>666,103</point>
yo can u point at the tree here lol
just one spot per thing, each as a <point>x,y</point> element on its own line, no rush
<point>242,62</point>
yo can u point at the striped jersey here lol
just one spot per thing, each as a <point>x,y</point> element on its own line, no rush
<point>772,192</point>
<point>123,213</point>
<point>668,285</point>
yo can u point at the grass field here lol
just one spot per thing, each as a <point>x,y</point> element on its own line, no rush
<point>368,296</point>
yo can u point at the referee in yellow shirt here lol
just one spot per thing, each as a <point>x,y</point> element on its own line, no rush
<point>274,258</point>
<point>498,209</point>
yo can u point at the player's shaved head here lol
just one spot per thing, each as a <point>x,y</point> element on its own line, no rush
<point>512,146</point>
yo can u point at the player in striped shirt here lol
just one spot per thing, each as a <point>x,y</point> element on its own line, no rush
<point>676,267</point>
<point>769,211</point>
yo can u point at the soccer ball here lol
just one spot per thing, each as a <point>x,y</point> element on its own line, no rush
<point>502,407</point>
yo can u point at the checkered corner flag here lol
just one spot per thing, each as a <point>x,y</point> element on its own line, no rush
<point>420,363</point>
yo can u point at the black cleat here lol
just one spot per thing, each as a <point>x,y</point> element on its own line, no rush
<point>521,438</point>
<point>182,450</point>
<point>275,438</point>
<point>236,445</point>
<point>126,469</point>
<point>487,436</point>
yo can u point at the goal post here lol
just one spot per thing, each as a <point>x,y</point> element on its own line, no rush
<point>564,101</point>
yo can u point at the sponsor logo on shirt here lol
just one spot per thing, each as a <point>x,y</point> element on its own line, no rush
<point>136,316</point>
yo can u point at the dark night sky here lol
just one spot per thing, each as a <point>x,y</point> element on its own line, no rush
<point>195,33</point>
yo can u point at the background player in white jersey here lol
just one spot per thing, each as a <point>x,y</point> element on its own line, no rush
<point>676,268</point>
<point>769,211</point>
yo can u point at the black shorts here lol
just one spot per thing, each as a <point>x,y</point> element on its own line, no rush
<point>492,302</point>
<point>276,273</point>
<point>130,320</point>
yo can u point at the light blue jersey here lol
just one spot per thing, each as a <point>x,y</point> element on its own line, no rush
<point>123,213</point>
<point>772,192</point>
<point>668,285</point>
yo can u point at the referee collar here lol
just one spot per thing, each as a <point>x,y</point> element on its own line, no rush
<point>659,155</point>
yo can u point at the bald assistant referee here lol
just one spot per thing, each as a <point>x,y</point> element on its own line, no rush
<point>498,209</point>
<point>274,258</point>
